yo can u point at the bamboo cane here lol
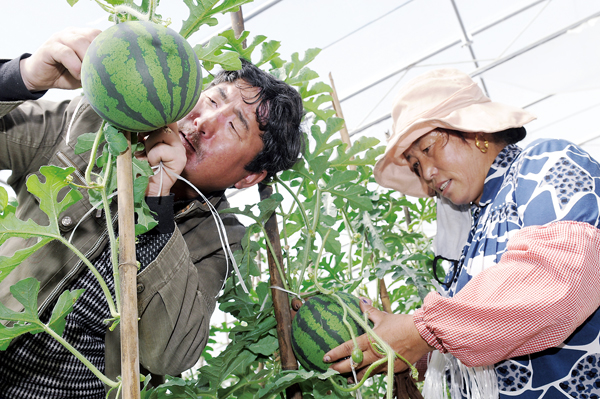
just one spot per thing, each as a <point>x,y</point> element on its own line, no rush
<point>280,299</point>
<point>281,302</point>
<point>130,371</point>
<point>338,111</point>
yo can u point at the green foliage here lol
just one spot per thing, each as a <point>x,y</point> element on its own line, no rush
<point>26,292</point>
<point>339,230</point>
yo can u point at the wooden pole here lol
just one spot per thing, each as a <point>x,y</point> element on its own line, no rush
<point>281,302</point>
<point>280,298</point>
<point>338,111</point>
<point>130,370</point>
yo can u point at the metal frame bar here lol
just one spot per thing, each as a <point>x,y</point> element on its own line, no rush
<point>500,61</point>
<point>443,48</point>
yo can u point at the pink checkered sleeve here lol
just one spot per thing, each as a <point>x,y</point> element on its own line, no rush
<point>545,285</point>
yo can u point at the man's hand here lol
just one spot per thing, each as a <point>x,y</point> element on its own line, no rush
<point>163,145</point>
<point>398,330</point>
<point>57,63</point>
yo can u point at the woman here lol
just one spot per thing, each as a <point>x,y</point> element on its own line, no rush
<point>524,293</point>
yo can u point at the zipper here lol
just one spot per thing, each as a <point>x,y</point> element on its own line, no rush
<point>66,161</point>
<point>61,286</point>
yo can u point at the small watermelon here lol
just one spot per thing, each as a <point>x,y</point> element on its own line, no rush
<point>318,327</point>
<point>140,76</point>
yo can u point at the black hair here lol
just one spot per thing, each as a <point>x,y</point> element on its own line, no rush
<point>510,136</point>
<point>279,115</point>
<point>506,137</point>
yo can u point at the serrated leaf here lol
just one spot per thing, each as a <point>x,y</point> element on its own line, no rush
<point>304,75</point>
<point>339,178</point>
<point>3,199</point>
<point>116,141</point>
<point>332,125</point>
<point>300,64</point>
<point>268,52</point>
<point>356,197</point>
<point>145,220</point>
<point>237,45</point>
<point>202,12</point>
<point>212,53</point>
<point>64,306</point>
<point>7,334</point>
<point>85,142</point>
<point>47,192</point>
<point>265,346</point>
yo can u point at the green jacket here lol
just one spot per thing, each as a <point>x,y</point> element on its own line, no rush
<point>176,292</point>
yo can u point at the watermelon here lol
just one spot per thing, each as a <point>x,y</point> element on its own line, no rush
<point>318,327</point>
<point>140,76</point>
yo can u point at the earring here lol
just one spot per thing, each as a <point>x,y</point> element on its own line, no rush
<point>483,149</point>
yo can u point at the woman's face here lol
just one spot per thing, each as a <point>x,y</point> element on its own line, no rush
<point>450,164</point>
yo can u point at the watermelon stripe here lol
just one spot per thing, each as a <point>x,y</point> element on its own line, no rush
<point>318,327</point>
<point>302,343</point>
<point>140,76</point>
<point>120,105</point>
<point>191,67</point>
<point>144,53</point>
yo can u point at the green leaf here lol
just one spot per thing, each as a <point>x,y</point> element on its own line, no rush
<point>202,13</point>
<point>268,52</point>
<point>47,192</point>
<point>63,307</point>
<point>212,53</point>
<point>266,346</point>
<point>356,197</point>
<point>333,125</point>
<point>117,143</point>
<point>340,178</point>
<point>85,142</point>
<point>237,45</point>
<point>3,199</point>
<point>72,2</point>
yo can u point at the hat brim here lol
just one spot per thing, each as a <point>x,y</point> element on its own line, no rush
<point>393,171</point>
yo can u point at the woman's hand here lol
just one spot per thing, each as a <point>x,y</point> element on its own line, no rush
<point>163,145</point>
<point>57,63</point>
<point>398,330</point>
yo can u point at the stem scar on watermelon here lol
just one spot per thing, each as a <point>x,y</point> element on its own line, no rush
<point>318,327</point>
<point>140,76</point>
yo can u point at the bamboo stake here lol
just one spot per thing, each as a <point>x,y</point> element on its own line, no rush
<point>338,111</point>
<point>280,299</point>
<point>281,302</point>
<point>130,370</point>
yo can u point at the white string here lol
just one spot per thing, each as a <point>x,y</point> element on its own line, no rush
<point>220,227</point>
<point>289,292</point>
<point>222,234</point>
<point>72,120</point>
<point>86,215</point>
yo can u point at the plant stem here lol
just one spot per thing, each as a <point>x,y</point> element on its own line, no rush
<point>94,151</point>
<point>275,258</point>
<point>79,356</point>
<point>96,274</point>
<point>298,282</point>
<point>315,279</point>
<point>114,249</point>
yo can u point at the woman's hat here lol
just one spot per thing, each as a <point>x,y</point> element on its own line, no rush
<point>442,98</point>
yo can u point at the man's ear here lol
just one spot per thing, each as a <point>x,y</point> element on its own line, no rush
<point>251,180</point>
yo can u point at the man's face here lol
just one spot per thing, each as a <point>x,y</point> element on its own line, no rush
<point>220,136</point>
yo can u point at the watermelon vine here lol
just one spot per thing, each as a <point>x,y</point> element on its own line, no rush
<point>328,198</point>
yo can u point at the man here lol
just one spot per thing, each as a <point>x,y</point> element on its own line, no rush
<point>245,128</point>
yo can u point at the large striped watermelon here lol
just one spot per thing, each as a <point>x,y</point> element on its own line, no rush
<point>140,76</point>
<point>318,327</point>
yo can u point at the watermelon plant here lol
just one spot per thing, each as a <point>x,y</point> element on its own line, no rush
<point>340,232</point>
